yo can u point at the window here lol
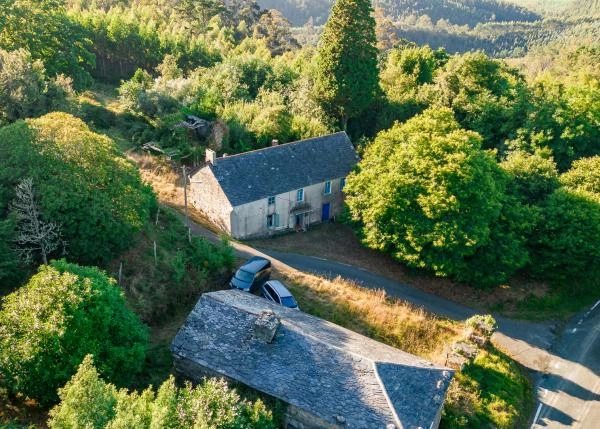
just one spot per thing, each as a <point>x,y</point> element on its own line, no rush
<point>300,195</point>
<point>342,183</point>
<point>273,220</point>
<point>271,201</point>
<point>327,187</point>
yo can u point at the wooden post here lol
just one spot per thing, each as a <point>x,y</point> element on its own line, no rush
<point>121,273</point>
<point>155,258</point>
<point>157,212</point>
<point>187,219</point>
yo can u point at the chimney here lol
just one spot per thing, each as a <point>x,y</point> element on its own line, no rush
<point>274,142</point>
<point>211,156</point>
<point>265,327</point>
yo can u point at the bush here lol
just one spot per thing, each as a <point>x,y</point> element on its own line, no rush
<point>87,401</point>
<point>182,271</point>
<point>81,182</point>
<point>63,313</point>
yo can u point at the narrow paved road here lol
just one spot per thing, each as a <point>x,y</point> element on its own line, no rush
<point>568,369</point>
<point>570,394</point>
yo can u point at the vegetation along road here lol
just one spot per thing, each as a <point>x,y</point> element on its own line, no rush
<point>568,368</point>
<point>567,364</point>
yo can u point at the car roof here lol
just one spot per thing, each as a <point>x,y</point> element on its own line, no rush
<point>280,288</point>
<point>255,264</point>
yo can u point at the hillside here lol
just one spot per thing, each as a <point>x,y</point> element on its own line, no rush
<point>544,7</point>
<point>467,12</point>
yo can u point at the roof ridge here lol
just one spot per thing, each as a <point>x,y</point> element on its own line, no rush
<point>220,296</point>
<point>264,149</point>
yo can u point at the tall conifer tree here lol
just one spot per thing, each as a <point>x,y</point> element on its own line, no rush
<point>346,76</point>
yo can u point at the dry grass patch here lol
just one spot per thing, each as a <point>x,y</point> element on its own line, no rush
<point>492,392</point>
<point>374,314</point>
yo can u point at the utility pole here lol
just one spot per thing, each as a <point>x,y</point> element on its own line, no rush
<point>187,218</point>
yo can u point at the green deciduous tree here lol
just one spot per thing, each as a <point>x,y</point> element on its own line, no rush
<point>533,177</point>
<point>565,248</point>
<point>346,73</point>
<point>87,401</point>
<point>487,96</point>
<point>82,182</point>
<point>584,175</point>
<point>562,119</point>
<point>427,194</point>
<point>63,313</point>
<point>22,86</point>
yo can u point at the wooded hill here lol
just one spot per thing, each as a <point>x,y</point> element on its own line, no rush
<point>467,12</point>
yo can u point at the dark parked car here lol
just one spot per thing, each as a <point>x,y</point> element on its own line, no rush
<point>252,275</point>
<point>276,291</point>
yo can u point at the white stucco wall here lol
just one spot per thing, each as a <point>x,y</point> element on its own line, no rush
<point>206,195</point>
<point>250,220</point>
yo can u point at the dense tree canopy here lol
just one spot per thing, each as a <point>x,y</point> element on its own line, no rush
<point>426,193</point>
<point>346,74</point>
<point>43,28</point>
<point>487,96</point>
<point>566,245</point>
<point>82,183</point>
<point>62,314</point>
<point>584,175</point>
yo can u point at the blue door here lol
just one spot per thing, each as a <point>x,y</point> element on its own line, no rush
<point>325,212</point>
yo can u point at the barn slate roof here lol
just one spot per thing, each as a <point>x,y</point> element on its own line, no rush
<point>274,170</point>
<point>321,368</point>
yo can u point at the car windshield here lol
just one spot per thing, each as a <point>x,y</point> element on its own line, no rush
<point>244,276</point>
<point>289,301</point>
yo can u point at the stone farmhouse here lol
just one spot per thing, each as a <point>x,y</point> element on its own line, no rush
<point>328,376</point>
<point>281,187</point>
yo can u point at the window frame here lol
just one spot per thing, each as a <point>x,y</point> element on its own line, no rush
<point>271,200</point>
<point>300,195</point>
<point>327,190</point>
<point>342,183</point>
<point>274,220</point>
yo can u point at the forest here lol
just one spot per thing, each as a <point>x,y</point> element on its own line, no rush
<point>498,28</point>
<point>477,169</point>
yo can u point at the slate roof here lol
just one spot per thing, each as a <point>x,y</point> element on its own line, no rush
<point>274,170</point>
<point>315,365</point>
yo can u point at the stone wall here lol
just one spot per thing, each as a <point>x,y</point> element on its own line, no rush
<point>207,196</point>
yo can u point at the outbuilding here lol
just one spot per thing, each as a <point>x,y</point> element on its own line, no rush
<point>330,377</point>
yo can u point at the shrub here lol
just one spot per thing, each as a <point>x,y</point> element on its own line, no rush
<point>63,313</point>
<point>87,401</point>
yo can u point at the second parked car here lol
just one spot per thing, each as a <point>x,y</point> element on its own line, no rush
<point>252,275</point>
<point>276,291</point>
